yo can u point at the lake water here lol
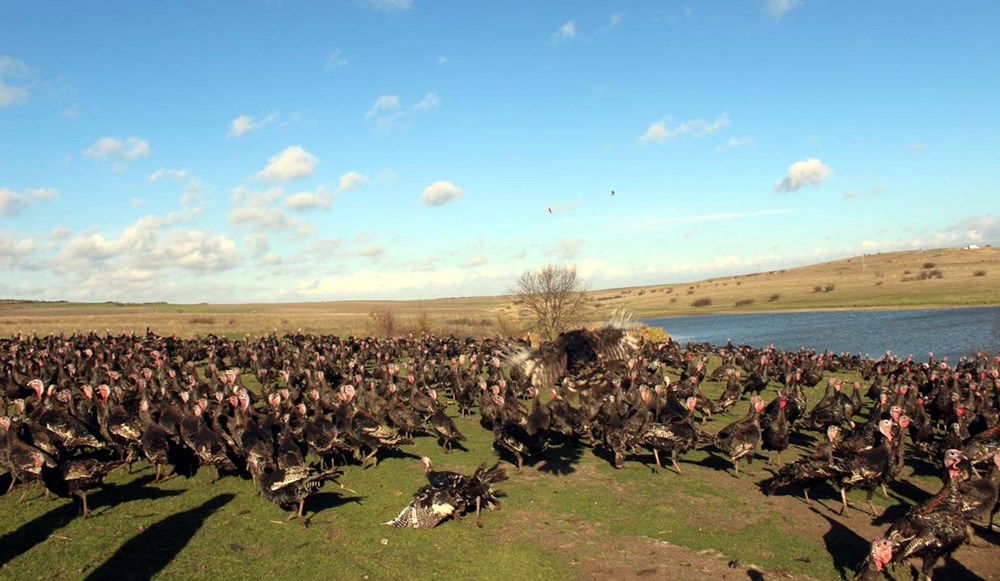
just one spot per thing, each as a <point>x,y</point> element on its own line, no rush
<point>944,332</point>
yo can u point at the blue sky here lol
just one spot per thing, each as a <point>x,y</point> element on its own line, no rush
<point>373,149</point>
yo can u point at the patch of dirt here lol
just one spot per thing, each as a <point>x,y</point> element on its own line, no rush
<point>593,554</point>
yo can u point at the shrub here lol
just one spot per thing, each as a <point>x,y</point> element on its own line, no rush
<point>673,300</point>
<point>773,298</point>
<point>818,288</point>
<point>702,302</point>
<point>879,283</point>
<point>423,322</point>
<point>828,288</point>
<point>383,322</point>
<point>979,273</point>
<point>929,265</point>
<point>202,321</point>
<point>744,302</point>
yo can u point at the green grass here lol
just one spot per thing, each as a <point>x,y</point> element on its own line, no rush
<point>554,518</point>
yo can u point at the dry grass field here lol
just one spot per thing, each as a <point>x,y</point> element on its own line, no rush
<point>927,278</point>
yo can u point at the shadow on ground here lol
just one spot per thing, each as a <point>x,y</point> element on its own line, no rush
<point>37,530</point>
<point>148,553</point>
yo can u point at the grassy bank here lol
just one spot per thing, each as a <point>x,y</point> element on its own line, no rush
<point>931,278</point>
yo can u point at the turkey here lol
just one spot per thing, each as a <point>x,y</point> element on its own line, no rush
<point>742,438</point>
<point>24,461</point>
<point>774,427</point>
<point>444,427</point>
<point>73,478</point>
<point>979,496</point>
<point>676,437</point>
<point>929,530</point>
<point>808,470</point>
<point>866,469</point>
<point>450,494</point>
<point>575,351</point>
<point>731,394</point>
<point>155,442</point>
<point>289,487</point>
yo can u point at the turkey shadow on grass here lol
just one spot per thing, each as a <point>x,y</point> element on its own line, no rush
<point>387,453</point>
<point>148,553</point>
<point>31,533</point>
<point>455,445</point>
<point>805,442</point>
<point>39,529</point>
<point>717,462</point>
<point>954,571</point>
<point>327,500</point>
<point>114,494</point>
<point>922,466</point>
<point>846,547</point>
<point>559,460</point>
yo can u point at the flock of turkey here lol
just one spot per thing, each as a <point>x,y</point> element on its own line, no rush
<point>76,408</point>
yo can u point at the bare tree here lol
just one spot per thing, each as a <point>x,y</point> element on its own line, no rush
<point>383,322</point>
<point>552,298</point>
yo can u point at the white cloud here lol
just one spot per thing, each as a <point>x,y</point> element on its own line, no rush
<point>383,104</point>
<point>475,261</point>
<point>810,171</point>
<point>615,20</point>
<point>146,247</point>
<point>440,193</point>
<point>430,101</point>
<point>374,252</point>
<point>917,147</point>
<point>60,232</point>
<point>336,60</point>
<point>103,148</point>
<point>13,203</point>
<point>388,109</point>
<point>568,248</point>
<point>389,6</point>
<point>135,148</point>
<point>138,240</point>
<point>661,131</point>
<point>304,201</point>
<point>566,32</point>
<point>735,142</point>
<point>292,163</point>
<point>351,181</point>
<point>14,252</point>
<point>258,210</point>
<point>259,244</point>
<point>12,95</point>
<point>980,230</point>
<point>198,251</point>
<point>163,173</point>
<point>382,283</point>
<point>442,60</point>
<point>245,124</point>
<point>722,217</point>
<point>117,151</point>
<point>778,8</point>
<point>560,208</point>
<point>192,192</point>
<point>71,112</point>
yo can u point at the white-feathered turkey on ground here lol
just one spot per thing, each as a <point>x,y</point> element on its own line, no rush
<point>450,494</point>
